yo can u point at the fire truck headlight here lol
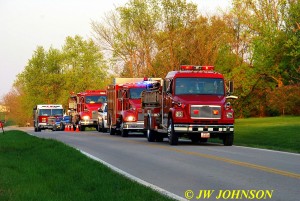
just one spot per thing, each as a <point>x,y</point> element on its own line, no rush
<point>86,118</point>
<point>178,114</point>
<point>130,118</point>
<point>229,115</point>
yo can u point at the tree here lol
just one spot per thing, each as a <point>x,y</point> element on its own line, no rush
<point>51,75</point>
<point>83,66</point>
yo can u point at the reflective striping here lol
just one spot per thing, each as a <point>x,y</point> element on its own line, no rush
<point>205,128</point>
<point>180,129</point>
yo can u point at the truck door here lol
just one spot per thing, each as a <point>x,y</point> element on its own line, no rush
<point>167,99</point>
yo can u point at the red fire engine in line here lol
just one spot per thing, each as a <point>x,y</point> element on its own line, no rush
<point>124,113</point>
<point>192,103</point>
<point>83,108</point>
<point>47,116</point>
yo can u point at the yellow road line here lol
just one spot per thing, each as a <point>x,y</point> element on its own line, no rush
<point>235,162</point>
<point>227,160</point>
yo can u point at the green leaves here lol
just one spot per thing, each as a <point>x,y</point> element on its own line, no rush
<point>51,75</point>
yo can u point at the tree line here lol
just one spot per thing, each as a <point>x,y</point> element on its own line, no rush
<point>256,44</point>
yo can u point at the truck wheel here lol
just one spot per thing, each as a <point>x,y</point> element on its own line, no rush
<point>62,127</point>
<point>104,130</point>
<point>111,130</point>
<point>82,128</point>
<point>228,139</point>
<point>159,138</point>
<point>99,128</point>
<point>173,136</point>
<point>124,133</point>
<point>150,133</point>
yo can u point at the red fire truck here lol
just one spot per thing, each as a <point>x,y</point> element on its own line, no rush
<point>83,108</point>
<point>193,103</point>
<point>47,116</point>
<point>124,113</point>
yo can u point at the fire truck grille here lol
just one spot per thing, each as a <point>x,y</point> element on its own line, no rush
<point>140,116</point>
<point>94,114</point>
<point>51,120</point>
<point>205,112</point>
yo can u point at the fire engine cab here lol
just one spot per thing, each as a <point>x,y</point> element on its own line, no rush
<point>83,108</point>
<point>193,103</point>
<point>47,116</point>
<point>124,113</point>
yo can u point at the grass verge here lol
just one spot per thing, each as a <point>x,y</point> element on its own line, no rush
<point>41,169</point>
<point>276,133</point>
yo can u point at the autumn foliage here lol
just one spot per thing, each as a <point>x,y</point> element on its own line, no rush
<point>255,43</point>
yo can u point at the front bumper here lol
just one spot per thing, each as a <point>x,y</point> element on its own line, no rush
<point>90,122</point>
<point>45,126</point>
<point>139,125</point>
<point>213,129</point>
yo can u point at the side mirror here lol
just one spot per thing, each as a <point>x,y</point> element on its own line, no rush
<point>231,88</point>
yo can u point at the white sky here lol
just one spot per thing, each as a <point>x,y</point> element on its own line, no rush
<point>26,24</point>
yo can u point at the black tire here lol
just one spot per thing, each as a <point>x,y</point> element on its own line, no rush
<point>112,131</point>
<point>172,135</point>
<point>82,128</point>
<point>150,133</point>
<point>62,127</point>
<point>159,138</point>
<point>228,139</point>
<point>104,130</point>
<point>99,129</point>
<point>124,133</point>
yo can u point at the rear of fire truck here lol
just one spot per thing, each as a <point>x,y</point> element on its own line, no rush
<point>193,104</point>
<point>83,108</point>
<point>47,116</point>
<point>124,112</point>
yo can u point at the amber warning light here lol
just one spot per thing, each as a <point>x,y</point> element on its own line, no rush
<point>191,67</point>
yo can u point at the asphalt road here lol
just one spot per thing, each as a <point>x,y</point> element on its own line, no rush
<point>197,172</point>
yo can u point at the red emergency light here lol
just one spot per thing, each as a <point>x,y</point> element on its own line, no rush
<point>192,67</point>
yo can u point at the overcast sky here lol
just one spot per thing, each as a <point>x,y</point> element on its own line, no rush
<point>26,24</point>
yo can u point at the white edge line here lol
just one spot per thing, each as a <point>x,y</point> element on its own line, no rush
<point>269,150</point>
<point>131,177</point>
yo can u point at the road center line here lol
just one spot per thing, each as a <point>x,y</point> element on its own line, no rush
<point>227,160</point>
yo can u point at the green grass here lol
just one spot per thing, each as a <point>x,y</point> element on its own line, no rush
<point>41,169</point>
<point>38,169</point>
<point>276,133</point>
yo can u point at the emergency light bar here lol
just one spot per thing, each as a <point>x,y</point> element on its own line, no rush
<point>191,67</point>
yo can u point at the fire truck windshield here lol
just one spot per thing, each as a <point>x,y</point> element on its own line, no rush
<point>135,93</point>
<point>95,99</point>
<point>202,86</point>
<point>51,112</point>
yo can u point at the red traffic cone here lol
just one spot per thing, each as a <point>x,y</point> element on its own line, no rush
<point>77,129</point>
<point>66,127</point>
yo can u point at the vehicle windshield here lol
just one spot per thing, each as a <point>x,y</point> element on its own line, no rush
<point>51,112</point>
<point>135,93</point>
<point>202,86</point>
<point>95,99</point>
